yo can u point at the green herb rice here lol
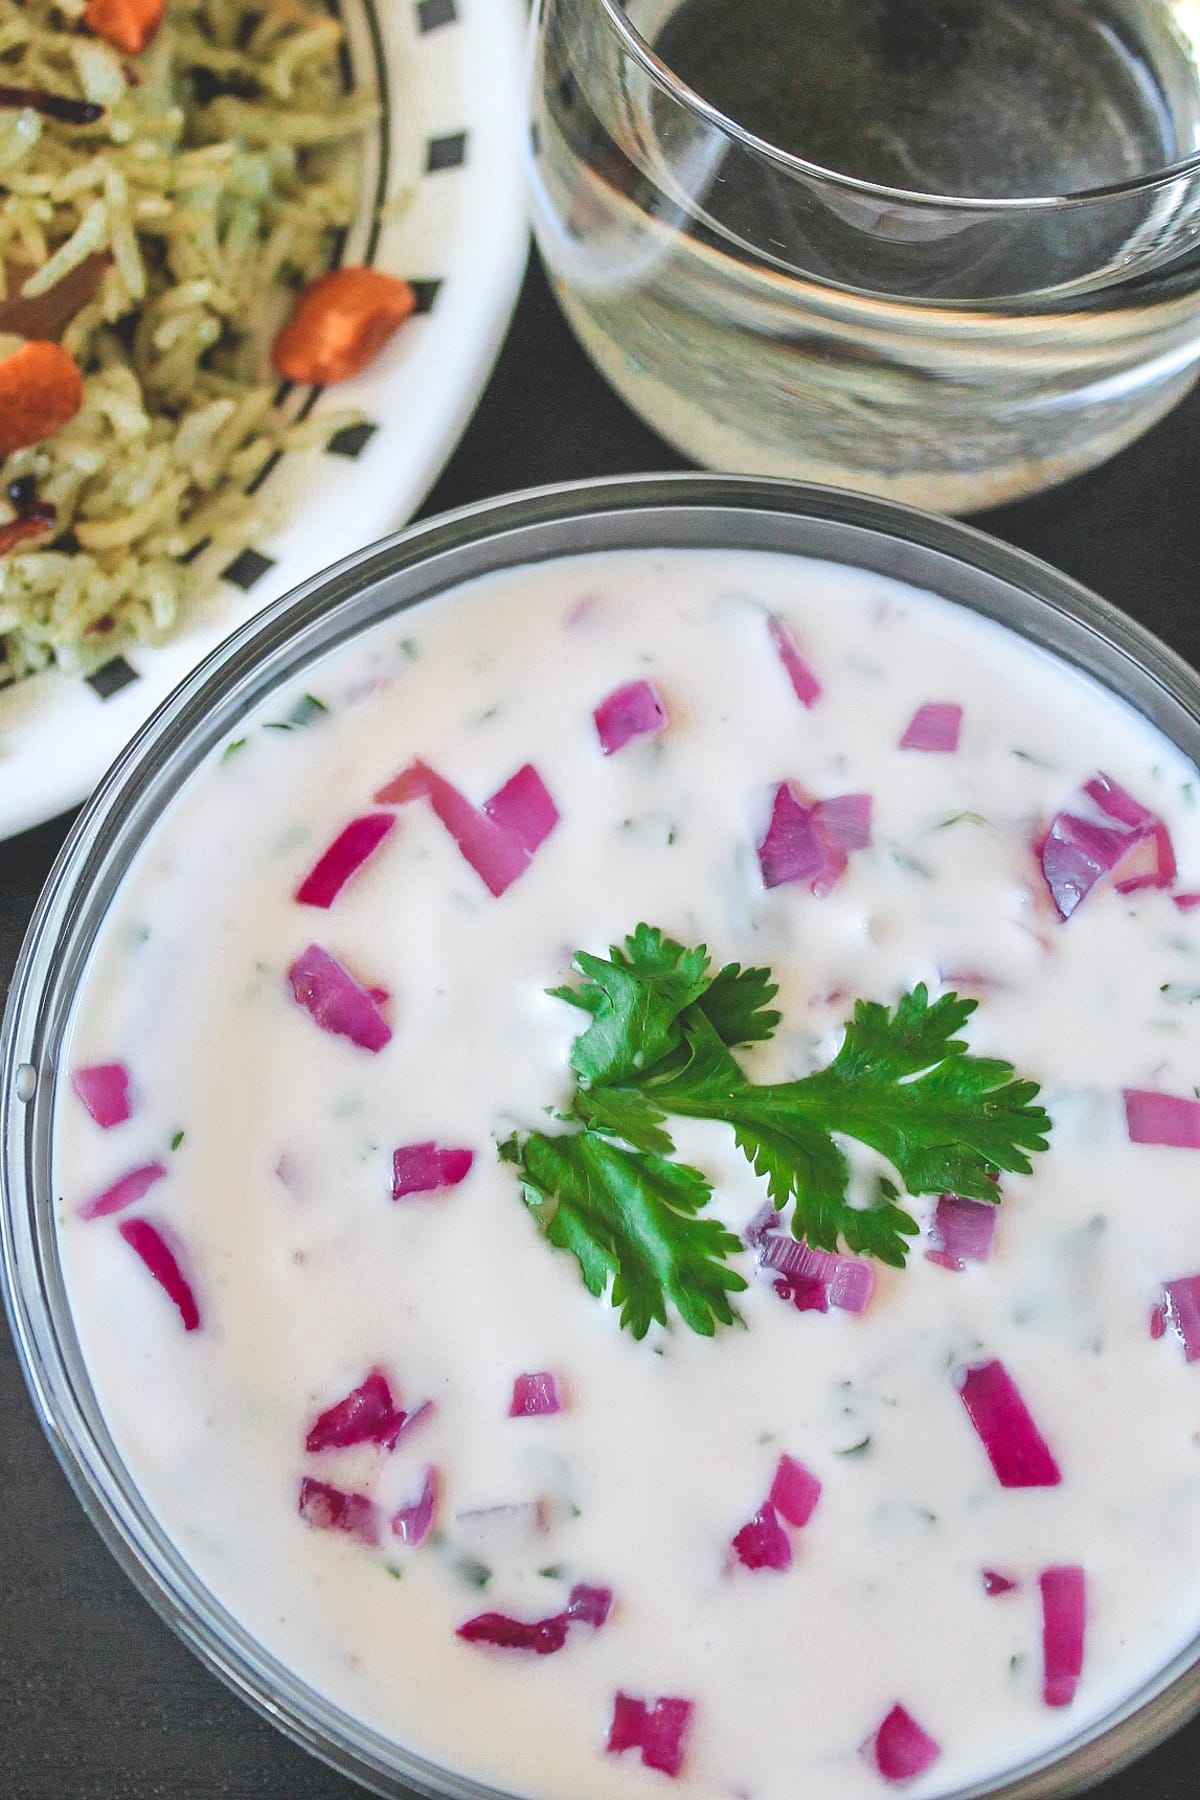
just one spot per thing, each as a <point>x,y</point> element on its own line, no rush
<point>211,186</point>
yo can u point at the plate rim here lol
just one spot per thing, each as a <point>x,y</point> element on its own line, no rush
<point>497,27</point>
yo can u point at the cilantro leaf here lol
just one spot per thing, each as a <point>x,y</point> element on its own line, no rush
<point>803,1162</point>
<point>658,1045</point>
<point>632,1217</point>
<point>903,1083</point>
<point>650,955</point>
<point>624,1113</point>
<point>635,998</point>
<point>737,1005</point>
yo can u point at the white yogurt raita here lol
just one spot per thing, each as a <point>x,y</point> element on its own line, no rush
<point>277,1140</point>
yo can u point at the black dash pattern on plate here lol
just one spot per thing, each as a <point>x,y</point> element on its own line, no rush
<point>432,13</point>
<point>351,440</point>
<point>111,677</point>
<point>426,293</point>
<point>272,463</point>
<point>247,568</point>
<point>446,153</point>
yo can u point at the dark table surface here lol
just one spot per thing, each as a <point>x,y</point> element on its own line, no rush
<point>98,1701</point>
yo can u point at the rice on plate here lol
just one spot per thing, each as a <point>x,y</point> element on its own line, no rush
<point>161,206</point>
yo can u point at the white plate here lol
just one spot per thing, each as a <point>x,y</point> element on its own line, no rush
<point>448,147</point>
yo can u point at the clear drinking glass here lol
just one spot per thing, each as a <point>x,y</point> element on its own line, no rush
<point>946,251</point>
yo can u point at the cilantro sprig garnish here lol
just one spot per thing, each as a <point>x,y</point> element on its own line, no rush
<point>659,1044</point>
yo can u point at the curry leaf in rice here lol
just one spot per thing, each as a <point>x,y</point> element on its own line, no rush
<point>161,243</point>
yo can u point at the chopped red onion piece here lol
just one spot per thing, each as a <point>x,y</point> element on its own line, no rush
<point>1153,1118</point>
<point>828,878</point>
<point>763,1543</point>
<point>497,842</point>
<point>1158,1322</point>
<point>123,1193</point>
<point>1149,862</point>
<point>1064,1616</point>
<point>900,1750</point>
<point>148,1242</point>
<point>425,1168</point>
<point>367,1415</point>
<point>344,857</point>
<point>994,1583</point>
<point>845,1282</point>
<point>934,726</point>
<point>589,1605</point>
<point>1168,868</point>
<point>1179,1308</point>
<point>1135,848</point>
<point>792,1256</point>
<point>794,1491</point>
<point>104,1090</point>
<point>850,1290</point>
<point>1075,853</point>
<point>328,1508</point>
<point>1113,800</point>
<point>585,1606</point>
<point>962,1232</point>
<point>805,1292</point>
<point>413,783</point>
<point>659,1732</point>
<point>496,857</point>
<point>805,685</point>
<point>334,1000</point>
<point>844,822</point>
<point>791,849</point>
<point>628,712</point>
<point>534,1395</point>
<point>1015,1447</point>
<point>628,1726</point>
<point>412,1524</point>
<point>812,843</point>
<point>524,809</point>
<point>763,1225</point>
<point>542,1636</point>
<point>1186,902</point>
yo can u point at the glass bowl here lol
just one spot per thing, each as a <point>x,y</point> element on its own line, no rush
<point>656,512</point>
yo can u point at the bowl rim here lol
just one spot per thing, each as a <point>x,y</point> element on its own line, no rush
<point>432,557</point>
<point>664,78</point>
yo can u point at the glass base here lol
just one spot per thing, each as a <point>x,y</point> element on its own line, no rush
<point>954,428</point>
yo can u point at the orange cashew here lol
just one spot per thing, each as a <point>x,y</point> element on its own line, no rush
<point>339,324</point>
<point>41,388</point>
<point>127,25</point>
<point>19,531</point>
